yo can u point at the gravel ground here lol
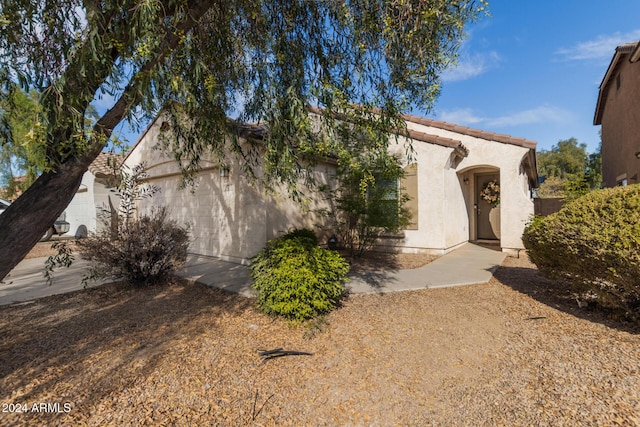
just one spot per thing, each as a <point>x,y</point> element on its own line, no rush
<point>512,352</point>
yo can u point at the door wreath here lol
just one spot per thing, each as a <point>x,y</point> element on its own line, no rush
<point>491,193</point>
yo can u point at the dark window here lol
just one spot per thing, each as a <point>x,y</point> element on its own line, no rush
<point>383,202</point>
<point>618,82</point>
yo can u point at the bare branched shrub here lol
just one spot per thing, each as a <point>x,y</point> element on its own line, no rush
<point>145,251</point>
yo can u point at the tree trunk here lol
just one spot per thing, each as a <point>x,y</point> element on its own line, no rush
<point>26,220</point>
<point>24,223</point>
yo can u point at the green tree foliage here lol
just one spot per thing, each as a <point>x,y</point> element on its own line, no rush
<point>368,201</point>
<point>569,170</point>
<point>566,158</point>
<point>297,279</point>
<point>594,243</point>
<point>260,61</point>
<point>21,140</point>
<point>550,188</point>
<point>593,170</point>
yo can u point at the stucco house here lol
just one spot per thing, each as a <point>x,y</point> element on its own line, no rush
<point>618,111</point>
<point>453,166</point>
<point>91,201</point>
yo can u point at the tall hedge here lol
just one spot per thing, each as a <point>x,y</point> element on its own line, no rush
<point>594,242</point>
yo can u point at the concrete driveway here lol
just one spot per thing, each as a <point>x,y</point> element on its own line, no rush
<point>26,282</point>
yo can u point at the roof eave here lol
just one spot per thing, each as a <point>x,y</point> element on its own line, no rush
<point>604,87</point>
<point>631,49</point>
<point>635,55</point>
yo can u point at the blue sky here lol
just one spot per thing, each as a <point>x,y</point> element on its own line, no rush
<point>533,68</point>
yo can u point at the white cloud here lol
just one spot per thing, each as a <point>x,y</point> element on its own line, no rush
<point>602,47</point>
<point>542,114</point>
<point>469,66</point>
<point>464,116</point>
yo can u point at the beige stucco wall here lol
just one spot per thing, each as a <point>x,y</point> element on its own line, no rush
<point>232,219</point>
<point>229,217</point>
<point>447,216</point>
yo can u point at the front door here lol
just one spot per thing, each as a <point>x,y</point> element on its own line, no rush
<point>488,206</point>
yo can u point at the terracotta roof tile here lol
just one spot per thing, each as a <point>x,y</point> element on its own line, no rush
<point>106,164</point>
<point>477,133</point>
<point>433,139</point>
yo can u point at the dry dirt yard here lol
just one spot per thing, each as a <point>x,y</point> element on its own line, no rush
<point>507,353</point>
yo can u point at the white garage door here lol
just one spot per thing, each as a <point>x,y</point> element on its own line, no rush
<point>199,209</point>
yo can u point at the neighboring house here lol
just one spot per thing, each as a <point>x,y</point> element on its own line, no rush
<point>232,220</point>
<point>91,202</point>
<point>618,111</point>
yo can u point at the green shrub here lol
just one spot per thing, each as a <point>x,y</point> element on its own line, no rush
<point>594,242</point>
<point>297,279</point>
<point>144,251</point>
<point>301,232</point>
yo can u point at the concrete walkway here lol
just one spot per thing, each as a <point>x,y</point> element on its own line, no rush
<point>216,273</point>
<point>466,265</point>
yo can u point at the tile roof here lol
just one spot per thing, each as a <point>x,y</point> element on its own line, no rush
<point>434,139</point>
<point>463,130</point>
<point>106,164</point>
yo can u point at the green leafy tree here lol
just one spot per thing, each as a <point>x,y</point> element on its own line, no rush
<point>566,158</point>
<point>550,188</point>
<point>21,140</point>
<point>593,170</point>
<point>261,61</point>
<point>368,201</point>
<point>569,170</point>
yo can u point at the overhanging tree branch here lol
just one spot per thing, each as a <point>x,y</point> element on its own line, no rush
<point>258,60</point>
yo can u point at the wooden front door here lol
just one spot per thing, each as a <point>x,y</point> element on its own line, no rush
<point>487,215</point>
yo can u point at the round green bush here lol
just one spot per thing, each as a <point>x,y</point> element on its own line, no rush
<point>297,279</point>
<point>594,242</point>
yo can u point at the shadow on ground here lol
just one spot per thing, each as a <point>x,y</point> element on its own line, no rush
<point>52,337</point>
<point>558,295</point>
<point>372,268</point>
